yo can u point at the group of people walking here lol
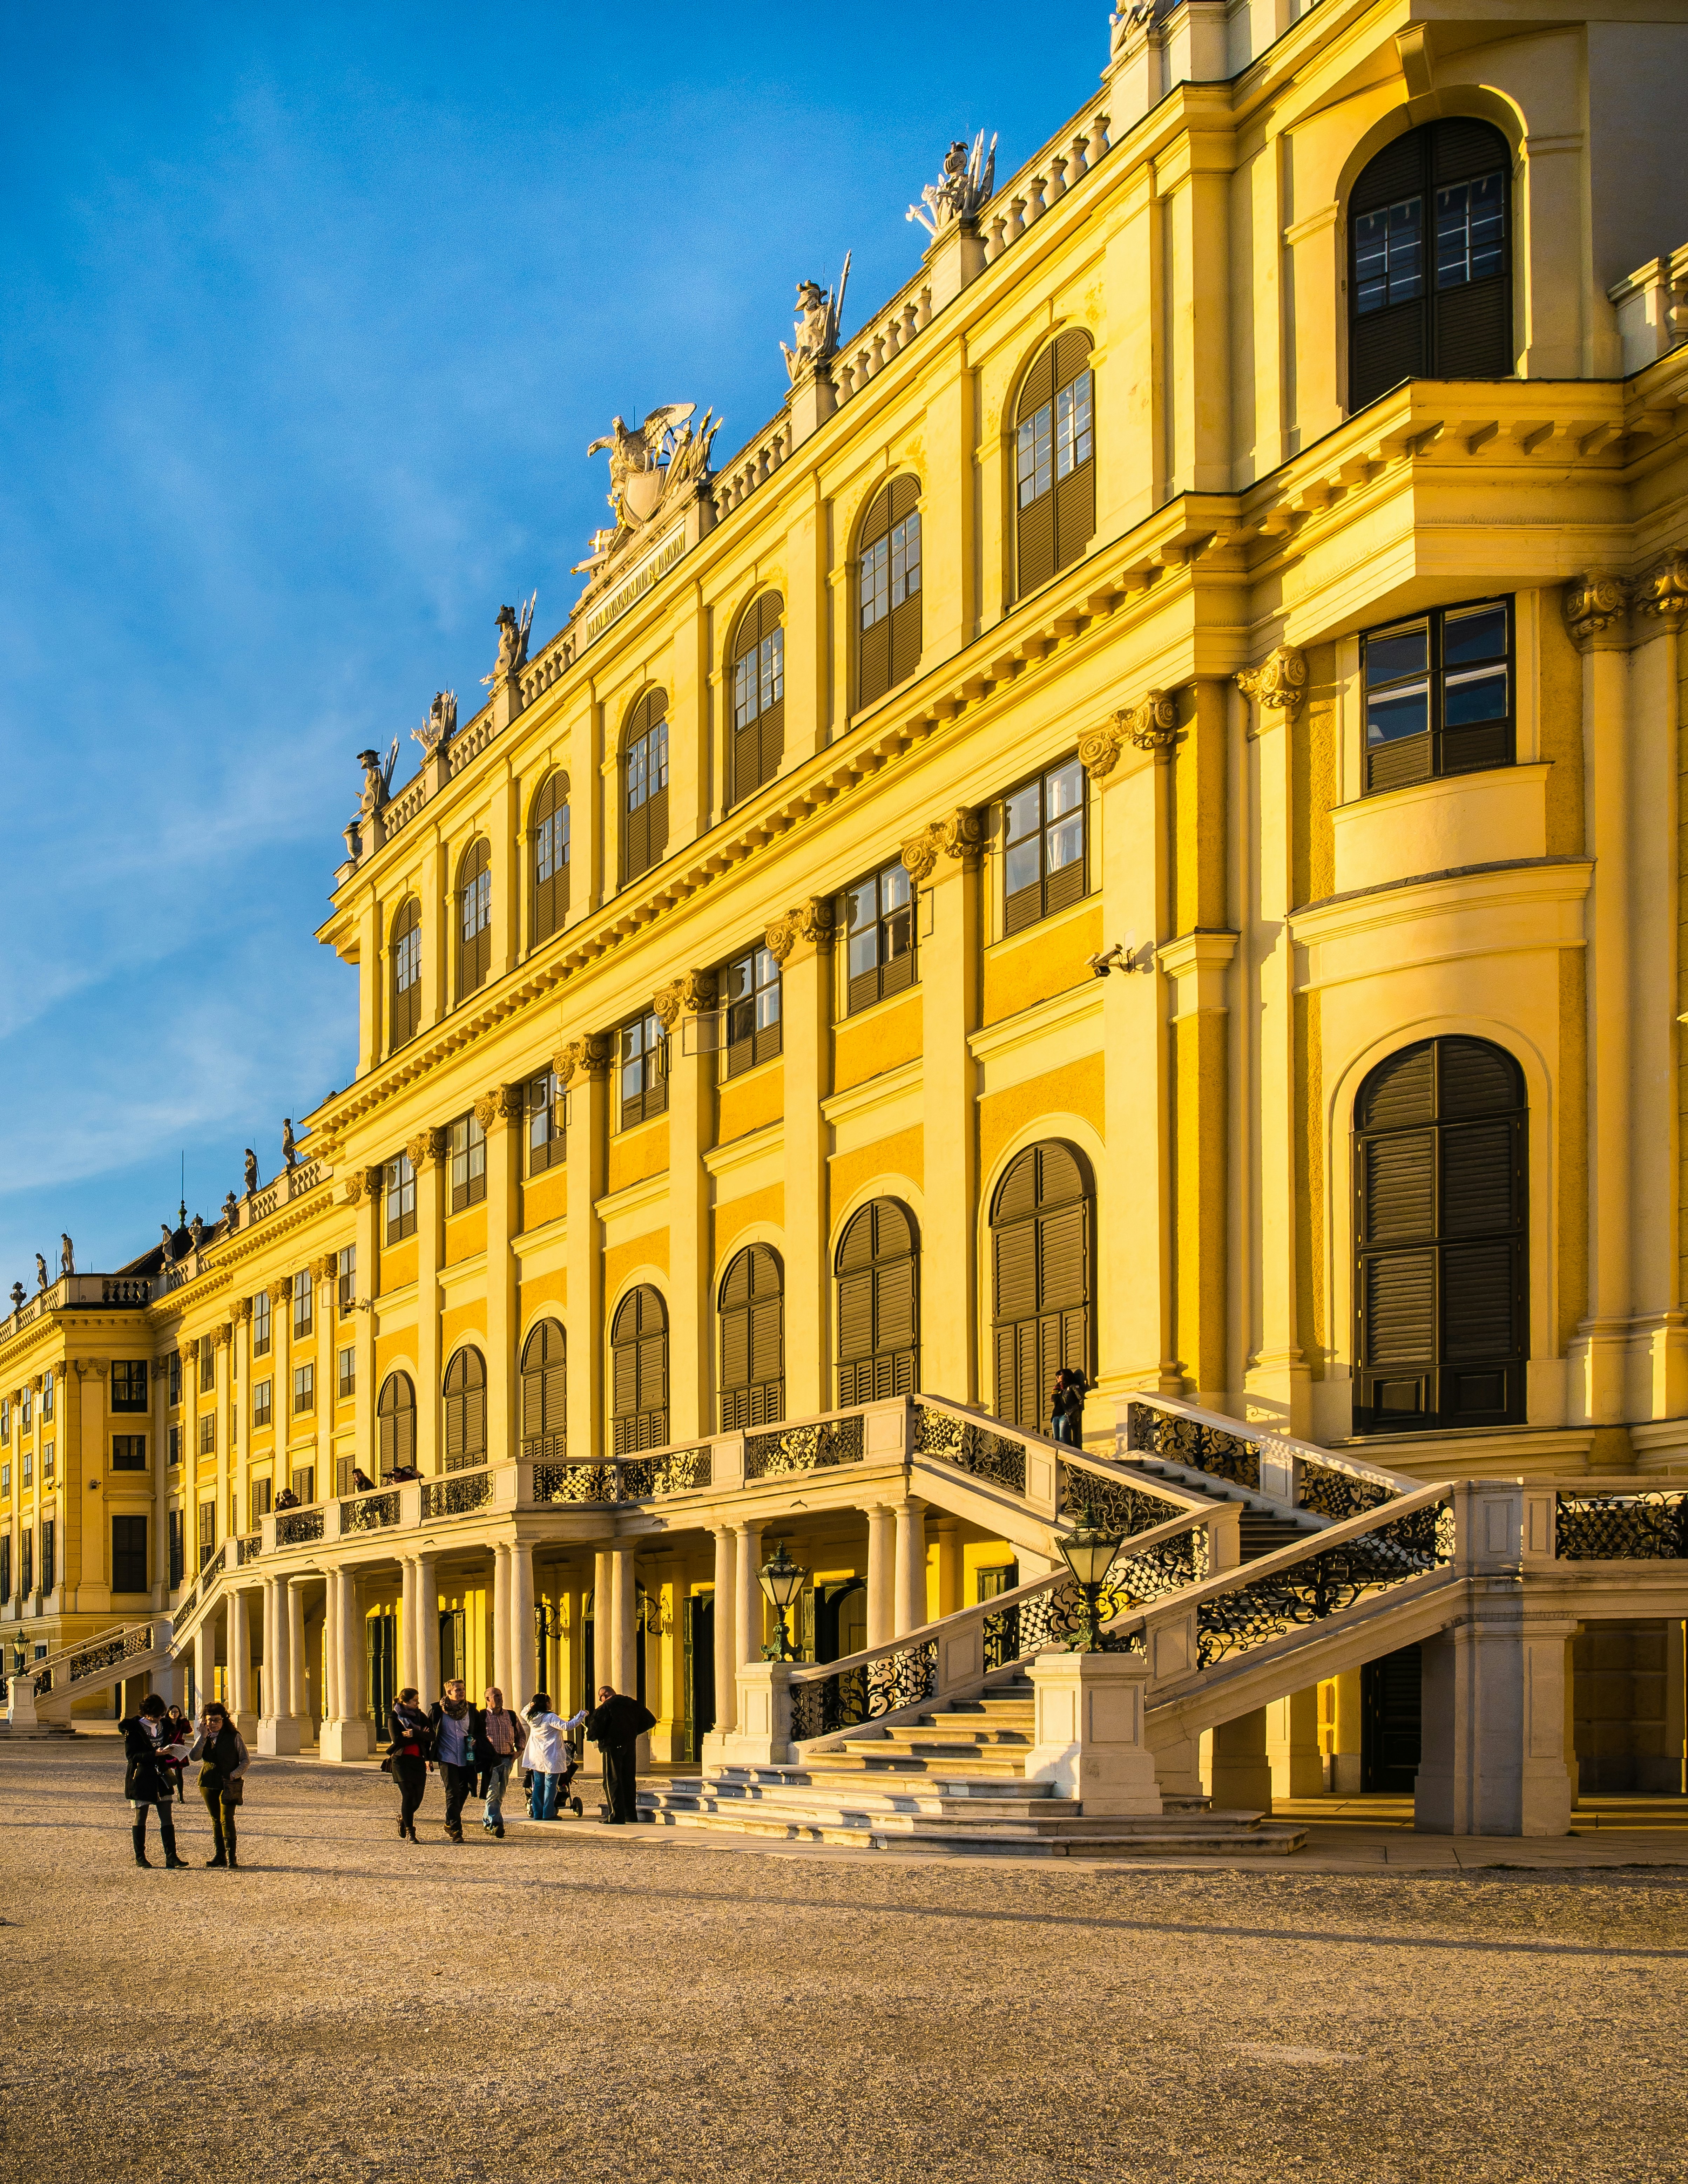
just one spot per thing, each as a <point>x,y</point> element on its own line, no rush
<point>476,1749</point>
<point>160,1744</point>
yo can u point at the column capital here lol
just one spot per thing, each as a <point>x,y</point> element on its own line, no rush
<point>1150,725</point>
<point>363,1183</point>
<point>1279,683</point>
<point>427,1146</point>
<point>1596,610</point>
<point>691,993</point>
<point>503,1103</point>
<point>811,923</point>
<point>960,836</point>
<point>1662,592</point>
<point>588,1056</point>
<point>278,1293</point>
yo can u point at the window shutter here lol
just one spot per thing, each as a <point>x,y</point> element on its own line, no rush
<point>1037,542</point>
<point>1399,1188</point>
<point>875,661</point>
<point>767,1340</point>
<point>1039,388</point>
<point>1477,1178</point>
<point>454,1426</point>
<point>1072,355</point>
<point>627,1377</point>
<point>656,828</point>
<point>1401,1090</point>
<point>1384,347</point>
<point>735,1347</point>
<point>1018,1193</point>
<point>1061,1259</point>
<point>1075,512</point>
<point>1016,1270</point>
<point>654,1375</point>
<point>1477,1302</point>
<point>904,501</point>
<point>1399,1305</point>
<point>1474,1078</point>
<point>906,639</point>
<point>895,1305</point>
<point>1024,907</point>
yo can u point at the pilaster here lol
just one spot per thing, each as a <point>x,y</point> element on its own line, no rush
<point>802,942</point>
<point>427,1149</point>
<point>691,1131</point>
<point>499,1114</point>
<point>582,1070</point>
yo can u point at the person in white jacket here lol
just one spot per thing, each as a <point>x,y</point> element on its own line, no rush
<point>546,1756</point>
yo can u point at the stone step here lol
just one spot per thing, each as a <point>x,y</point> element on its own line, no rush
<point>1174,1837</point>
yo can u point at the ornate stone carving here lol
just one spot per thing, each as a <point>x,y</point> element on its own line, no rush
<point>816,336</point>
<point>961,836</point>
<point>589,1054</point>
<point>219,1335</point>
<point>651,466</point>
<point>279,1292</point>
<point>290,1154</point>
<point>439,727</point>
<point>965,181</point>
<point>513,630</point>
<point>251,1170</point>
<point>377,781</point>
<point>810,921</point>
<point>240,1311</point>
<point>1098,751</point>
<point>1153,725</point>
<point>691,993</point>
<point>1593,605</point>
<point>426,1145</point>
<point>189,1347</point>
<point>92,1368</point>
<point>1663,591</point>
<point>1279,683</point>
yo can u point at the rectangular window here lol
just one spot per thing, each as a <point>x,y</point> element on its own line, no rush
<point>644,1070</point>
<point>1043,847</point>
<point>346,1278</point>
<point>49,1564</point>
<point>752,1029</point>
<point>207,1433</point>
<point>6,1566</point>
<point>1471,230</point>
<point>26,1563</point>
<point>1439,695</point>
<point>348,1377</point>
<point>175,1446</point>
<point>879,925</point>
<point>26,1401</point>
<point>260,1405</point>
<point>468,1163</point>
<point>304,1389</point>
<point>177,1547</point>
<point>208,1367</point>
<point>5,1420</point>
<point>263,1494</point>
<point>1389,255</point>
<point>305,1485</point>
<point>401,1199</point>
<point>304,1304</point>
<point>48,1456</point>
<point>28,1467</point>
<point>129,1452</point>
<point>129,1554</point>
<point>129,1382</point>
<point>759,679</point>
<point>175,1378</point>
<point>546,1142</point>
<point>260,1324</point>
<point>890,570</point>
<point>5,1482</point>
<point>208,1532</point>
<point>647,766</point>
<point>46,1396</point>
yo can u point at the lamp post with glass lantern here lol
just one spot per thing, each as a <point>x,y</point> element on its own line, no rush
<point>782,1581</point>
<point>1089,1553</point>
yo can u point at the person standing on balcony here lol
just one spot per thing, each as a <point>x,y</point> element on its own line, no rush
<point>460,1737</point>
<point>547,1755</point>
<point>615,1724</point>
<point>147,1782</point>
<point>222,1750</point>
<point>408,1762</point>
<point>501,1740</point>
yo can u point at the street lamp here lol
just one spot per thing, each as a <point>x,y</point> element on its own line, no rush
<point>1089,1553</point>
<point>782,1581</point>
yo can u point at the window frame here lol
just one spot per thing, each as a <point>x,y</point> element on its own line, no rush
<point>263,1405</point>
<point>644,737</point>
<point>550,832</point>
<point>400,1183</point>
<point>542,1100</point>
<point>404,978</point>
<point>304,1388</point>
<point>1435,674</point>
<point>346,1373</point>
<point>1054,521</point>
<point>129,1452</point>
<point>650,1058</point>
<point>759,1040</point>
<point>1052,889</point>
<point>891,521</point>
<point>756,697</point>
<point>467,1143</point>
<point>473,902</point>
<point>135,1381</point>
<point>857,997</point>
<point>207,1436</point>
<point>304,1304</point>
<point>261,1324</point>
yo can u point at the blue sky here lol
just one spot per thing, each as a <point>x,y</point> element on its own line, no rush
<point>310,313</point>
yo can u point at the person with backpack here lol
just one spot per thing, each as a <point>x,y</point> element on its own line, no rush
<point>147,1783</point>
<point>221,1751</point>
<point>1076,1388</point>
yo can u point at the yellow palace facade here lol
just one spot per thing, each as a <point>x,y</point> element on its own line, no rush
<point>1133,828</point>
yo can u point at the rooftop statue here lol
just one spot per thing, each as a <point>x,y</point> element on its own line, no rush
<point>816,336</point>
<point>512,630</point>
<point>67,1255</point>
<point>290,1157</point>
<point>40,1271</point>
<point>377,779</point>
<point>441,725</point>
<point>967,179</point>
<point>649,466</point>
<point>251,1170</point>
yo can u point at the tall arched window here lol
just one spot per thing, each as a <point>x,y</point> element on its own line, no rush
<point>549,825</point>
<point>638,1359</point>
<point>1439,1156</point>
<point>888,589</point>
<point>465,1410</point>
<point>753,1340</point>
<point>1429,260</point>
<point>1054,460</point>
<point>878,1267</point>
<point>474,919</point>
<point>758,697</point>
<point>407,973</point>
<point>644,786</point>
<point>544,1393</point>
<point>396,1423</point>
<point>1040,1227</point>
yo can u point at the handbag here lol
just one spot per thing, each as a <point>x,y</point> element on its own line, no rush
<point>387,1765</point>
<point>234,1790</point>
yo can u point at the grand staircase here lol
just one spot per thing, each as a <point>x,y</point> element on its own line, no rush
<point>953,1781</point>
<point>1262,1525</point>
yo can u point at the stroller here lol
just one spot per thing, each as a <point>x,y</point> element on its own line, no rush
<point>566,1800</point>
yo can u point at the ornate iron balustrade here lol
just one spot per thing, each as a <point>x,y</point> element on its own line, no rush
<point>1648,1525</point>
<point>574,1482</point>
<point>369,1512</point>
<point>297,1528</point>
<point>805,1448</point>
<point>457,1496</point>
<point>1194,1443</point>
<point>971,1448</point>
<point>675,1471</point>
<point>1337,1495</point>
<point>1323,1583</point>
<point>247,1548</point>
<point>820,1706</point>
<point>1126,1510</point>
<point>76,1663</point>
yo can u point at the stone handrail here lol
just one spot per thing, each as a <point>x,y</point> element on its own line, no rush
<point>1255,1458</point>
<point>1041,183</point>
<point>865,356</point>
<point>751,466</point>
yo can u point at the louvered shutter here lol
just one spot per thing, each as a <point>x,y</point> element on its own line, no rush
<point>875,661</point>
<point>1017,1194</point>
<point>855,1317</point>
<point>1401,1090</point>
<point>474,1418</point>
<point>1035,519</point>
<point>656,828</point>
<point>1474,1078</point>
<point>1075,495</point>
<point>1398,765</point>
<point>551,895</point>
<point>896,1306</point>
<point>1061,1259</point>
<point>767,1340</point>
<point>1017,1270</point>
<point>1401,1309</point>
<point>1399,1188</point>
<point>454,1424</point>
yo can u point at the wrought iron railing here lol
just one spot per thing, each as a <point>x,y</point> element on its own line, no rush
<point>812,1447</point>
<point>1253,1457</point>
<point>970,1447</point>
<point>369,1512</point>
<point>1648,1525</point>
<point>574,1482</point>
<point>1110,1503</point>
<point>674,1471</point>
<point>1194,1443</point>
<point>1340,1495</point>
<point>247,1548</point>
<point>456,1496</point>
<point>76,1663</point>
<point>298,1527</point>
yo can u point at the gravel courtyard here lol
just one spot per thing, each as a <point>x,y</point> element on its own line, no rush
<point>597,2004</point>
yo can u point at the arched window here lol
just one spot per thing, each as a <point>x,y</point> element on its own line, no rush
<point>465,1410</point>
<point>644,786</point>
<point>544,1394</point>
<point>888,589</point>
<point>638,1359</point>
<point>1040,1229</point>
<point>548,823</point>
<point>407,973</point>
<point>758,698</point>
<point>474,919</point>
<point>1054,460</point>
<point>395,1420</point>
<point>753,1340</point>
<point>879,1266</point>
<point>1438,1228</point>
<point>1429,260</point>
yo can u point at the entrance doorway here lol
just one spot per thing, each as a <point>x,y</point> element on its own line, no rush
<point>381,1645</point>
<point>1389,1722</point>
<point>700,1671</point>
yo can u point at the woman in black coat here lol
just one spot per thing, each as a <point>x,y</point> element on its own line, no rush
<point>148,1782</point>
<point>412,1741</point>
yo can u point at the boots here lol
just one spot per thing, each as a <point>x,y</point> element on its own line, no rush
<point>137,1836</point>
<point>172,1863</point>
<point>229,1837</point>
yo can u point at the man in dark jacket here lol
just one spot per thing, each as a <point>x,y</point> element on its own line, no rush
<point>148,1782</point>
<point>460,1732</point>
<point>615,1724</point>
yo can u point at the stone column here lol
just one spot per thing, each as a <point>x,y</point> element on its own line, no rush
<point>802,941</point>
<point>602,1622</point>
<point>1241,1778</point>
<point>500,1115</point>
<point>406,1622</point>
<point>951,1566</point>
<point>627,1629</point>
<point>726,1666</point>
<point>501,1619</point>
<point>1347,1776</point>
<point>691,1133</point>
<point>881,1577</point>
<point>427,1150</point>
<point>427,1631</point>
<point>278,1731</point>
<point>345,1733</point>
<point>1493,1750</point>
<point>330,1654</point>
<point>942,861</point>
<point>909,1603</point>
<point>583,1069</point>
<point>204,1660</point>
<point>239,1647</point>
<point>298,1684</point>
<point>747,1618</point>
<point>522,1646</point>
<point>1292,1752</point>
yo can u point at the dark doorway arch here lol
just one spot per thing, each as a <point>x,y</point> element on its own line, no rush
<point>638,1359</point>
<point>396,1424</point>
<point>753,1340</point>
<point>1041,1225</point>
<point>878,1275</point>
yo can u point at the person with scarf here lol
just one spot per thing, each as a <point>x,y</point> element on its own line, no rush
<point>413,1741</point>
<point>616,1725</point>
<point>147,1782</point>
<point>501,1740</point>
<point>178,1730</point>
<point>222,1750</point>
<point>459,1737</point>
<point>547,1755</point>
